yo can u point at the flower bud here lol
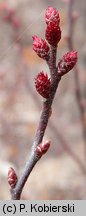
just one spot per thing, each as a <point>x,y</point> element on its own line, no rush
<point>41,47</point>
<point>67,63</point>
<point>12,177</point>
<point>43,84</point>
<point>52,16</point>
<point>42,148</point>
<point>53,34</point>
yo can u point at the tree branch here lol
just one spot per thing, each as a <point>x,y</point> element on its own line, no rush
<point>47,89</point>
<point>76,69</point>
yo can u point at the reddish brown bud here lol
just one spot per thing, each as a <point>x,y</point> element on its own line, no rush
<point>67,63</point>
<point>52,16</point>
<point>42,148</point>
<point>41,47</point>
<point>43,84</point>
<point>12,177</point>
<point>53,34</point>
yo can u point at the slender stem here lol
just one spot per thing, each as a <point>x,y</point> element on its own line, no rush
<point>56,132</point>
<point>80,105</point>
<point>52,62</point>
<point>45,114</point>
<point>76,70</point>
<point>16,192</point>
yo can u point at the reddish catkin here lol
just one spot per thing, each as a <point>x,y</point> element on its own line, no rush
<point>67,63</point>
<point>12,177</point>
<point>41,47</point>
<point>52,16</point>
<point>43,84</point>
<point>53,34</point>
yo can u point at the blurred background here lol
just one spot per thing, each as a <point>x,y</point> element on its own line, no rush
<point>60,173</point>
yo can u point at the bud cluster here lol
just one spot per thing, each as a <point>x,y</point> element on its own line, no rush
<point>41,47</point>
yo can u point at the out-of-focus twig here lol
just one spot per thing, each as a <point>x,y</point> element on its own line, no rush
<point>71,20</point>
